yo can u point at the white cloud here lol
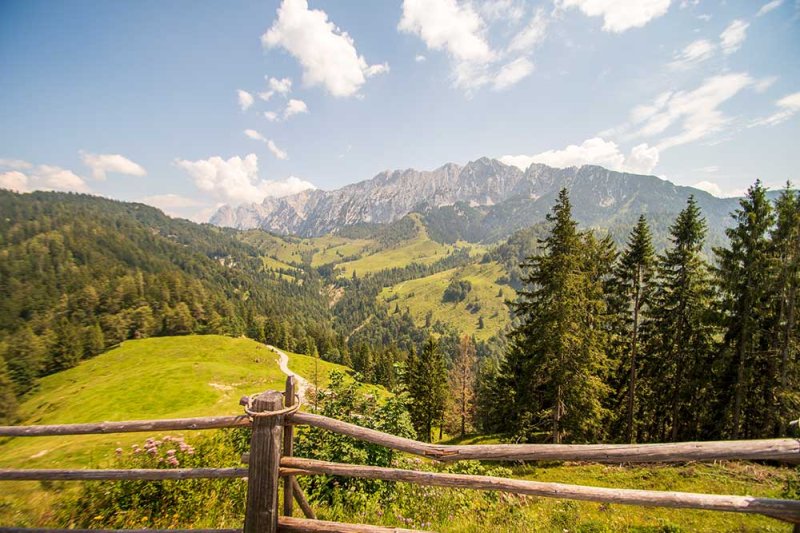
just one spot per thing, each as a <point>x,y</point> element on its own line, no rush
<point>788,106</point>
<point>102,164</point>
<point>236,180</point>
<point>695,52</point>
<point>620,15</point>
<point>530,35</point>
<point>16,164</point>
<point>276,86</point>
<point>695,114</point>
<point>715,189</point>
<point>513,72</point>
<point>327,54</point>
<point>733,36</point>
<point>594,151</point>
<point>245,99</point>
<point>14,180</point>
<point>169,202</point>
<point>294,107</point>
<point>459,30</point>
<point>375,70</point>
<point>256,136</point>
<point>764,83</point>
<point>419,58</point>
<point>277,152</point>
<point>769,6</point>
<point>253,134</point>
<point>272,116</point>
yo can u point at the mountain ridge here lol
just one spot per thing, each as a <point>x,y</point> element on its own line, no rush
<point>505,197</point>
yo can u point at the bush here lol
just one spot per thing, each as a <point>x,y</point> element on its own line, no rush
<point>456,291</point>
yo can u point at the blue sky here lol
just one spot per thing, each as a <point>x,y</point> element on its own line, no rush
<point>191,104</point>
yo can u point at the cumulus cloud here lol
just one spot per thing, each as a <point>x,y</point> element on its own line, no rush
<point>294,107</point>
<point>695,52</point>
<point>276,86</point>
<point>40,178</point>
<point>169,202</point>
<point>594,151</point>
<point>236,180</point>
<point>102,164</point>
<point>245,99</point>
<point>419,58</point>
<point>460,30</point>
<point>788,106</point>
<point>769,6</point>
<point>272,116</point>
<point>715,189</point>
<point>733,36</point>
<point>620,15</point>
<point>16,164</point>
<point>327,54</point>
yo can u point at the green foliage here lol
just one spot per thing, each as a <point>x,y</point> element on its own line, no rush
<point>426,382</point>
<point>165,504</point>
<point>457,290</point>
<point>345,400</point>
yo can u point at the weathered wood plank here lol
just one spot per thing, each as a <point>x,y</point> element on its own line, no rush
<point>129,426</point>
<point>300,496</point>
<point>121,474</point>
<point>288,449</point>
<point>788,510</point>
<point>261,513</point>
<point>787,450</point>
<point>299,525</point>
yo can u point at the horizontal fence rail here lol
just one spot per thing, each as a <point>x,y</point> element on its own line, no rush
<point>788,510</point>
<point>271,449</point>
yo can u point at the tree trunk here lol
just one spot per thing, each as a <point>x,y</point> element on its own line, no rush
<point>634,340</point>
<point>557,417</point>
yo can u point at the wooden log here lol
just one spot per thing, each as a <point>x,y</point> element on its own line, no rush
<point>261,513</point>
<point>49,530</point>
<point>288,449</point>
<point>788,510</point>
<point>130,426</point>
<point>288,524</point>
<point>787,450</point>
<point>300,496</point>
<point>121,474</point>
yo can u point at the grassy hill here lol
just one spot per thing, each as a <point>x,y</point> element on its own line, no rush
<point>486,299</point>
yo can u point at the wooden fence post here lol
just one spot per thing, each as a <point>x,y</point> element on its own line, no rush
<point>288,449</point>
<point>261,513</point>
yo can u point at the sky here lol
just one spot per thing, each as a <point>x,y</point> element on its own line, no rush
<point>191,104</point>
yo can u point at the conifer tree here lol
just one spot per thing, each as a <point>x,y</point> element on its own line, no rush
<point>786,247</point>
<point>8,401</point>
<point>426,382</point>
<point>745,277</point>
<point>555,365</point>
<point>677,335</point>
<point>632,287</point>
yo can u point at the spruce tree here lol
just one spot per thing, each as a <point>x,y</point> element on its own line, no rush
<point>678,335</point>
<point>462,381</point>
<point>786,248</point>
<point>632,289</point>
<point>555,366</point>
<point>745,276</point>
<point>426,382</point>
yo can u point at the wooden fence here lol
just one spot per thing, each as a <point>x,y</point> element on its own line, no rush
<point>272,416</point>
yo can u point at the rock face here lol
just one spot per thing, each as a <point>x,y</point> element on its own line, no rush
<point>501,192</point>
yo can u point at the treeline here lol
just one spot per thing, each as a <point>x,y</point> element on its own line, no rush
<point>631,346</point>
<point>79,274</point>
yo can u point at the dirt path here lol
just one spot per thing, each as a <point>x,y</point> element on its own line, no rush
<point>283,362</point>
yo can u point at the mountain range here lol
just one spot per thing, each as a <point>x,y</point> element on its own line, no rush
<point>482,201</point>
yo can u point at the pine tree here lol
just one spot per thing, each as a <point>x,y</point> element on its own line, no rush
<point>745,277</point>
<point>677,336</point>
<point>556,362</point>
<point>8,401</point>
<point>632,287</point>
<point>786,247</point>
<point>426,382</point>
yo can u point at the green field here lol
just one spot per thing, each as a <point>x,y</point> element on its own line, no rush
<point>284,252</point>
<point>424,295</point>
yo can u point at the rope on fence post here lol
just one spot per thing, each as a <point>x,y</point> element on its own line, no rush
<point>261,513</point>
